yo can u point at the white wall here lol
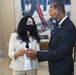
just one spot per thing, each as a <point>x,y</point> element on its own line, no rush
<point>73,11</point>
<point>7,22</point>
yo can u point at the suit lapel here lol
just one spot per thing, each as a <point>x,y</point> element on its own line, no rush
<point>60,26</point>
<point>33,42</point>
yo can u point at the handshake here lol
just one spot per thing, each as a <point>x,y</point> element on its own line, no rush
<point>29,53</point>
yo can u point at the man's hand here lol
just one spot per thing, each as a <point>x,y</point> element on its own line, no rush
<point>31,53</point>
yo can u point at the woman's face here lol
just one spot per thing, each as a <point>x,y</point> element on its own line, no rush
<point>30,21</point>
<point>30,26</point>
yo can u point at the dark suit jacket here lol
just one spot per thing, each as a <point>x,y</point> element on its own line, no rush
<point>59,55</point>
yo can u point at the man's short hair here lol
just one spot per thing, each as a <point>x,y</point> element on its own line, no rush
<point>59,6</point>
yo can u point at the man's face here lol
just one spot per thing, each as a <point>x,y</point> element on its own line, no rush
<point>52,12</point>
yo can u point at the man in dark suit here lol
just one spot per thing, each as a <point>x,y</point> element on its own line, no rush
<point>59,55</point>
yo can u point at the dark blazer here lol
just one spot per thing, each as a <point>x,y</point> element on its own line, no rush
<point>59,55</point>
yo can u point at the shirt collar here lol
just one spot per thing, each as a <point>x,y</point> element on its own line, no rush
<point>62,20</point>
<point>30,39</point>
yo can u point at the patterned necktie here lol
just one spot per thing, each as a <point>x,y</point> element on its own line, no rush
<point>55,28</point>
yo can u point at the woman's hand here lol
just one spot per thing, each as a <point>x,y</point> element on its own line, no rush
<point>20,52</point>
